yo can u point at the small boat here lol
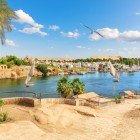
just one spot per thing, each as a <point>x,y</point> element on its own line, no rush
<point>81,73</point>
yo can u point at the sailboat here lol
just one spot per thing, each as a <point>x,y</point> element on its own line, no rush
<point>30,74</point>
<point>113,72</point>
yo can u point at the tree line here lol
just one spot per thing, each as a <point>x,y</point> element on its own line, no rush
<point>126,61</point>
<point>11,60</point>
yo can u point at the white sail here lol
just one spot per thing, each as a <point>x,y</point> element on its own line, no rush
<point>27,80</point>
<point>30,74</point>
<point>113,71</point>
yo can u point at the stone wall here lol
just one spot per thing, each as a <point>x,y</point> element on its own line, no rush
<point>35,102</point>
<point>32,102</point>
<point>58,101</point>
<point>21,101</point>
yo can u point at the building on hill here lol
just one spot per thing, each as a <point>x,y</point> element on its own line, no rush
<point>53,60</point>
<point>107,57</point>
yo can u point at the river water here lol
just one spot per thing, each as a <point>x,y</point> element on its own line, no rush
<point>101,83</point>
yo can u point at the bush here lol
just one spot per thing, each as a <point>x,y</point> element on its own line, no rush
<point>3,116</point>
<point>78,87</point>
<point>64,87</point>
<point>118,99</point>
<point>1,102</point>
<point>43,69</point>
<point>11,61</point>
<point>18,62</point>
<point>67,88</point>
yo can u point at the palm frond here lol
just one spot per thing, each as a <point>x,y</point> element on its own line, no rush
<point>6,15</point>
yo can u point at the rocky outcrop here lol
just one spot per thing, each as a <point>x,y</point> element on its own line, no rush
<point>16,72</point>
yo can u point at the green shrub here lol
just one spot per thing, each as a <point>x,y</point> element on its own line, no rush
<point>67,88</point>
<point>3,116</point>
<point>11,60</point>
<point>118,99</point>
<point>78,87</point>
<point>43,69</point>
<point>1,102</point>
<point>64,87</point>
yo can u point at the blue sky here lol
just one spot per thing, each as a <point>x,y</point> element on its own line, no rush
<point>51,28</point>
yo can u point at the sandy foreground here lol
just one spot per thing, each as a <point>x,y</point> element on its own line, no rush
<point>67,122</point>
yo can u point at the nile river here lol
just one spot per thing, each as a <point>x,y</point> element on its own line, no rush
<point>101,83</point>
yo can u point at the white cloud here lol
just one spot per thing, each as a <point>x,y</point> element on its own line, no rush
<point>105,50</point>
<point>32,30</point>
<point>10,43</point>
<point>108,33</point>
<point>80,47</point>
<point>137,13</point>
<point>23,17</point>
<point>74,34</point>
<point>27,19</point>
<point>132,36</point>
<point>54,27</point>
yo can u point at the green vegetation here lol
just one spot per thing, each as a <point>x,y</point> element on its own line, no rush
<point>6,15</point>
<point>64,87</point>
<point>3,115</point>
<point>78,87</point>
<point>42,68</point>
<point>12,61</point>
<point>67,88</point>
<point>130,61</point>
<point>1,104</point>
<point>118,99</point>
<point>126,61</point>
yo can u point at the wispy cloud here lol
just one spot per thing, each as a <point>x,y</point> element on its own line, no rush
<point>83,47</point>
<point>54,27</point>
<point>108,33</point>
<point>10,43</point>
<point>137,13</point>
<point>105,50</point>
<point>32,30</point>
<point>75,34</point>
<point>52,47</point>
<point>80,47</point>
<point>27,19</point>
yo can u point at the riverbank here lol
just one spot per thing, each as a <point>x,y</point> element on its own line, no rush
<point>63,121</point>
<point>17,72</point>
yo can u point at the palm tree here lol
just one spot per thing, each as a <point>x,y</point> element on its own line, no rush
<point>6,15</point>
<point>78,87</point>
<point>64,87</point>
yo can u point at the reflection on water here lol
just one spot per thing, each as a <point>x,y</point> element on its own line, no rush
<point>101,83</point>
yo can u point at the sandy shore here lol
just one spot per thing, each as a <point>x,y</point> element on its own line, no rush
<point>66,122</point>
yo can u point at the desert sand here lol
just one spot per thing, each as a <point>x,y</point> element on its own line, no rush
<point>67,122</point>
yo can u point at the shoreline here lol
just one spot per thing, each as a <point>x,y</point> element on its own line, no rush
<point>70,74</point>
